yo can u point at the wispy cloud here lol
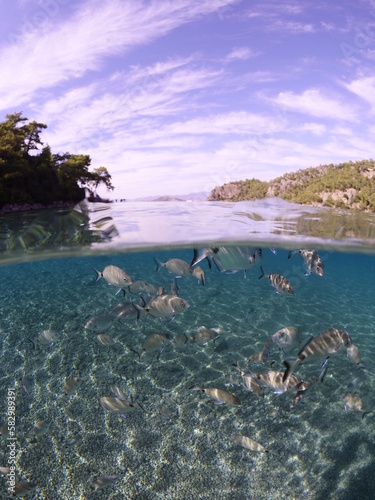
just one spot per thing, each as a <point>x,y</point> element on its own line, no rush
<point>241,53</point>
<point>45,58</point>
<point>363,88</point>
<point>314,103</point>
<point>292,27</point>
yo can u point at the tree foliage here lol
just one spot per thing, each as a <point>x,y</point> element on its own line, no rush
<point>346,185</point>
<point>30,173</point>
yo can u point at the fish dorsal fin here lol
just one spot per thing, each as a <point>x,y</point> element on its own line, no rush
<point>305,344</point>
<point>195,257</point>
<point>161,291</point>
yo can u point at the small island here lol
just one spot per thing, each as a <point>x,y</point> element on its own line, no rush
<point>346,185</point>
<point>31,176</point>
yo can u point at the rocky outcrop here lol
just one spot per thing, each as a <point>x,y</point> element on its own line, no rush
<point>347,185</point>
<point>227,192</point>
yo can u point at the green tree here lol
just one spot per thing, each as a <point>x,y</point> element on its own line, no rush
<point>30,173</point>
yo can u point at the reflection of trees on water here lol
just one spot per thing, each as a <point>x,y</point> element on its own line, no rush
<point>56,229</point>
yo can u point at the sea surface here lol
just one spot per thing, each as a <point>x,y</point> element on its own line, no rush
<point>172,440</point>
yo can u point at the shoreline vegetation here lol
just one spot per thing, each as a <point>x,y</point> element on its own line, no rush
<point>349,185</point>
<point>32,177</point>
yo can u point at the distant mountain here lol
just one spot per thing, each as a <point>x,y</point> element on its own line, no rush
<point>167,198</point>
<point>346,185</point>
<point>202,196</point>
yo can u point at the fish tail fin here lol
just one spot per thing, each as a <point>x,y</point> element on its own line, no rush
<point>139,310</point>
<point>99,274</point>
<point>289,369</point>
<point>135,352</point>
<point>199,254</point>
<point>195,388</point>
<point>292,252</point>
<point>365,413</point>
<point>236,366</point>
<point>262,273</point>
<point>159,265</point>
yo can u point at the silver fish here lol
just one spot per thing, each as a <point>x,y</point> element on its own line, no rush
<point>155,342</point>
<point>274,380</point>
<point>178,267</point>
<point>119,393</point>
<point>41,428</point>
<point>230,259</point>
<point>218,395</point>
<point>248,443</point>
<point>205,335</point>
<point>103,481</point>
<point>312,260</point>
<point>354,402</point>
<point>71,385</point>
<point>100,323</point>
<point>124,310</point>
<point>48,337</point>
<point>199,274</point>
<point>325,344</point>
<point>180,341</point>
<point>105,340</point>
<point>287,339</point>
<point>353,354</point>
<point>258,358</point>
<point>139,286</point>
<point>249,382</point>
<point>116,405</point>
<point>114,276</point>
<point>23,488</point>
<point>280,283</point>
<point>164,306</point>
<point>4,470</point>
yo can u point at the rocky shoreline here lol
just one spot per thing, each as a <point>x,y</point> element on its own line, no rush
<point>27,207</point>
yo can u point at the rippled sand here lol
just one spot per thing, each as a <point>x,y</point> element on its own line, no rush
<point>179,447</point>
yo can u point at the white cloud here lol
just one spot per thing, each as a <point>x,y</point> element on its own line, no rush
<point>364,88</point>
<point>47,57</point>
<point>241,53</point>
<point>291,27</point>
<point>315,128</point>
<point>313,102</point>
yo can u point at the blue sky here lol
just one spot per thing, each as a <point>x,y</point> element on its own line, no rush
<point>179,96</point>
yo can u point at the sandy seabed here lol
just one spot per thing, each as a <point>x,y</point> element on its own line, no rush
<point>180,447</point>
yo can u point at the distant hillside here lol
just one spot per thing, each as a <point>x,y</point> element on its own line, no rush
<point>201,196</point>
<point>347,185</point>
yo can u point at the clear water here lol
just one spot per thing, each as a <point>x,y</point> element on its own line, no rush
<point>180,446</point>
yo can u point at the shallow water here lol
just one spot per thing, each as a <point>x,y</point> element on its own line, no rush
<point>180,446</point>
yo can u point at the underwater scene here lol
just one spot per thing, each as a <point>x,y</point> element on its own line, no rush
<point>230,370</point>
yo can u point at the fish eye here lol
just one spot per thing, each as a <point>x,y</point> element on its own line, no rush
<point>182,304</point>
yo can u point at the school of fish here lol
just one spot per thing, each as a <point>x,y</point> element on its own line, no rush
<point>145,300</point>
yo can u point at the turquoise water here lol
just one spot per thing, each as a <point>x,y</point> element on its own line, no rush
<point>177,444</point>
